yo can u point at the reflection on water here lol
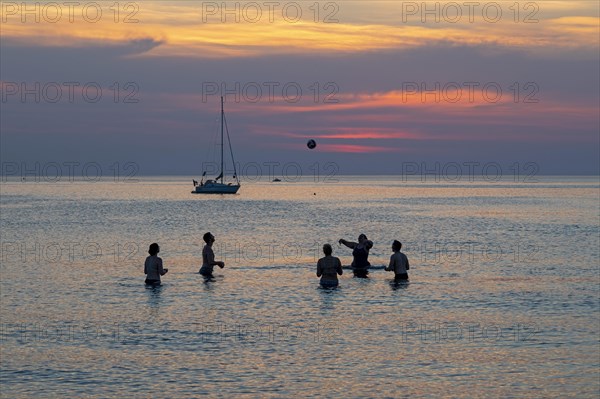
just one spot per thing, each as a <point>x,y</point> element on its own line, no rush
<point>502,299</point>
<point>154,292</point>
<point>396,285</point>
<point>328,296</point>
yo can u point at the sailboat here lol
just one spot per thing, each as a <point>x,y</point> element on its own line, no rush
<point>211,186</point>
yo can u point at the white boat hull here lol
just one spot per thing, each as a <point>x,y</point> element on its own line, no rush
<point>216,188</point>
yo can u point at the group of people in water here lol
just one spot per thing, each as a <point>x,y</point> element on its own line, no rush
<point>328,267</point>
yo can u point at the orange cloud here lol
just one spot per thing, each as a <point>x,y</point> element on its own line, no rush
<point>376,115</point>
<point>352,148</point>
<point>362,135</point>
<point>182,29</point>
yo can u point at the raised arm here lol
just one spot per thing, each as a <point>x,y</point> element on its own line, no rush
<point>349,244</point>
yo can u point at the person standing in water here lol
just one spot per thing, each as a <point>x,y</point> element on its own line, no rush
<point>328,268</point>
<point>360,253</point>
<point>153,267</point>
<point>398,262</point>
<point>208,257</point>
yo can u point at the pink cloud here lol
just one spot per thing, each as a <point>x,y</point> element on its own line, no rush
<point>353,148</point>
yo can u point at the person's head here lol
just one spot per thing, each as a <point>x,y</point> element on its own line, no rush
<point>396,246</point>
<point>362,239</point>
<point>327,250</point>
<point>154,249</point>
<point>208,238</point>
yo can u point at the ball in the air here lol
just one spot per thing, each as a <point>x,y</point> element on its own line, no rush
<point>311,144</point>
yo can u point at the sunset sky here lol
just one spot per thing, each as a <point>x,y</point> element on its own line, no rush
<point>361,67</point>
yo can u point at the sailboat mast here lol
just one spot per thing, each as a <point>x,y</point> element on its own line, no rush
<point>222,117</point>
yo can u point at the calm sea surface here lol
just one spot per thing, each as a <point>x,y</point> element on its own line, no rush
<point>503,299</point>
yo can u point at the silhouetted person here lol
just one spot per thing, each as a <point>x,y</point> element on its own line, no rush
<point>208,257</point>
<point>398,262</point>
<point>153,267</point>
<point>328,268</point>
<point>360,253</point>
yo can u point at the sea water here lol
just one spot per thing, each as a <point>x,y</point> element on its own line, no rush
<point>503,298</point>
